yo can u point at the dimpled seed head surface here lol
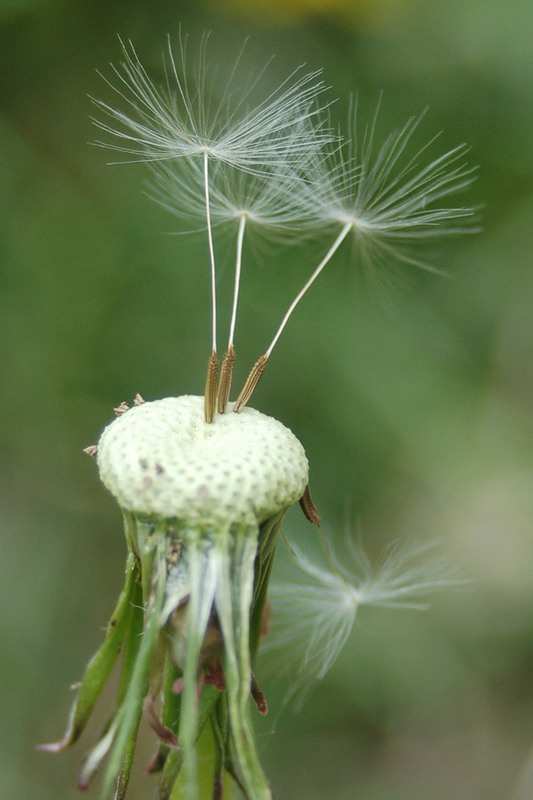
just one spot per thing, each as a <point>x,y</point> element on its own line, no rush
<point>162,458</point>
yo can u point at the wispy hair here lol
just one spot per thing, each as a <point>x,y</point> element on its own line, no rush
<point>319,588</point>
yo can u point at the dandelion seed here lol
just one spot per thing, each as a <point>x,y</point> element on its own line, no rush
<point>271,201</point>
<point>316,598</point>
<point>384,199</point>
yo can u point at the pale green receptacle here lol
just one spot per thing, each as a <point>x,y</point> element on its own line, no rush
<point>203,505</point>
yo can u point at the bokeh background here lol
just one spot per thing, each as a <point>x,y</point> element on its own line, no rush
<point>413,397</point>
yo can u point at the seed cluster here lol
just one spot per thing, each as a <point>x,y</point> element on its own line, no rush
<point>162,458</point>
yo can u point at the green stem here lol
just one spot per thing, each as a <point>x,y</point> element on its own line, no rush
<point>210,697</point>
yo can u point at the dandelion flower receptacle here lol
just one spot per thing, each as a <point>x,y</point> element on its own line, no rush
<point>202,505</point>
<point>203,483</point>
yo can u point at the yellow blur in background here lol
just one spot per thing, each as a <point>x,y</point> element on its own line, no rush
<point>356,12</point>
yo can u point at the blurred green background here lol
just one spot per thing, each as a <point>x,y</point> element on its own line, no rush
<point>415,411</point>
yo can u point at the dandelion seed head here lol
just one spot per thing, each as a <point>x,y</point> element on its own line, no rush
<point>204,490</point>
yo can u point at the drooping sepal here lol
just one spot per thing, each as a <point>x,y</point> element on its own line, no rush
<point>101,664</point>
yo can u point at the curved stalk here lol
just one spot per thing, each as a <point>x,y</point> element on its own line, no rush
<point>259,367</point>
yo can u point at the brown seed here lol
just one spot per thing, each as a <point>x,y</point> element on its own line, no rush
<point>211,388</point>
<point>251,382</point>
<point>225,379</point>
